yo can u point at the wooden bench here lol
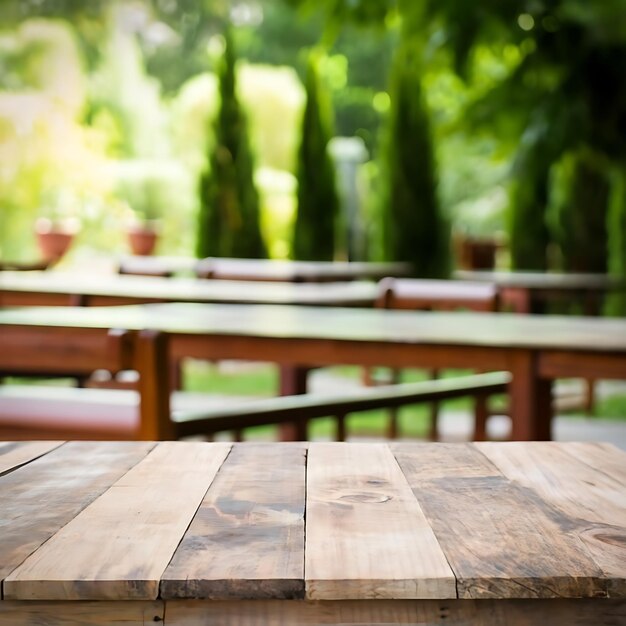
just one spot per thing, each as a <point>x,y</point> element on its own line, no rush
<point>72,413</point>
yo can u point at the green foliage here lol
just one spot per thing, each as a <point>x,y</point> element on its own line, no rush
<point>365,53</point>
<point>274,100</point>
<point>616,304</point>
<point>413,226</point>
<point>318,202</point>
<point>580,213</point>
<point>229,212</point>
<point>121,87</point>
<point>528,231</point>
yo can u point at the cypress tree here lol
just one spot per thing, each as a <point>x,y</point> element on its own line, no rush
<point>582,216</point>
<point>528,233</point>
<point>414,229</point>
<point>317,199</point>
<point>616,220</point>
<point>228,222</point>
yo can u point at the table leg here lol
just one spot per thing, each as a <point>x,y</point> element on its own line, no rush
<point>151,361</point>
<point>531,399</point>
<point>293,381</point>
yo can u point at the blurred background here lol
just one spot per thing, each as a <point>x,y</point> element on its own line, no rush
<point>327,129</point>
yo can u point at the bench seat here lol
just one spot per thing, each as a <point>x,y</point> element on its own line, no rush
<point>29,411</point>
<point>70,413</point>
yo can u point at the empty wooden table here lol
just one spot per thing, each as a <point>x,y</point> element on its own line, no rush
<point>264,269</point>
<point>528,292</point>
<point>325,533</point>
<point>65,288</point>
<point>297,271</point>
<point>535,349</point>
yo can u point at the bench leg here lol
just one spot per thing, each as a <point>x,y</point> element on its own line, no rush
<point>433,430</point>
<point>481,414</point>
<point>392,423</point>
<point>341,427</point>
<point>590,395</point>
<point>433,433</point>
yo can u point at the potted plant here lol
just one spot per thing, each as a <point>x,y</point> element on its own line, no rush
<point>144,198</point>
<point>57,224</point>
<point>143,237</point>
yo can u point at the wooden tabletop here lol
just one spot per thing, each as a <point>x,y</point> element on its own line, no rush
<point>101,288</point>
<point>299,271</point>
<point>320,521</point>
<point>267,269</point>
<point>545,280</point>
<point>342,324</point>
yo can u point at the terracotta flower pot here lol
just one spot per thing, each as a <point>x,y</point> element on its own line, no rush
<point>142,239</point>
<point>53,239</point>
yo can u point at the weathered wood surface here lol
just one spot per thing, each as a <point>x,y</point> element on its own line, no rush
<point>247,539</point>
<point>366,534</point>
<point>388,612</point>
<point>230,534</point>
<point>584,488</point>
<point>38,499</point>
<point>502,540</point>
<point>13,454</point>
<point>118,547</point>
<point>28,613</point>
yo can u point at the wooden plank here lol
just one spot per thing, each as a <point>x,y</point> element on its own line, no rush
<point>247,538</point>
<point>39,498</point>
<point>80,613</point>
<point>366,535</point>
<point>585,482</point>
<point>119,546</point>
<point>461,461</point>
<point>586,612</point>
<point>500,539</point>
<point>14,454</point>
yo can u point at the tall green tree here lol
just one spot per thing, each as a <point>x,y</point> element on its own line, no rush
<point>616,304</point>
<point>318,202</point>
<point>581,211</point>
<point>414,229</point>
<point>529,235</point>
<point>228,223</point>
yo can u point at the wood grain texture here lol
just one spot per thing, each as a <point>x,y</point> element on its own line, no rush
<point>15,613</point>
<point>140,520</point>
<point>247,539</point>
<point>41,497</point>
<point>366,536</point>
<point>409,612</point>
<point>13,454</point>
<point>502,540</point>
<point>586,483</point>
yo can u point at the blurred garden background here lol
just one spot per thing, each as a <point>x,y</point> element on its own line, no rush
<point>318,129</point>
